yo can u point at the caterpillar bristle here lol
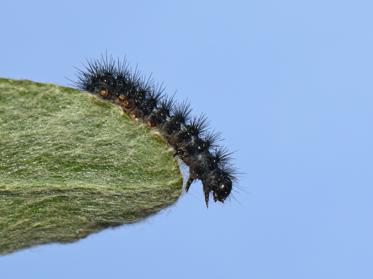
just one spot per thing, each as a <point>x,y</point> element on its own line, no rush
<point>142,98</point>
<point>198,125</point>
<point>211,138</point>
<point>167,103</point>
<point>228,172</point>
<point>181,112</point>
<point>221,156</point>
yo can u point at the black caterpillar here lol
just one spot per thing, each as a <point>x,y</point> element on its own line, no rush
<point>142,99</point>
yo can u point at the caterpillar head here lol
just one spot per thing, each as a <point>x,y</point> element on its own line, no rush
<point>222,190</point>
<point>219,182</point>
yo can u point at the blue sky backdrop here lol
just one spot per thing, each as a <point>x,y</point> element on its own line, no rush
<point>287,83</point>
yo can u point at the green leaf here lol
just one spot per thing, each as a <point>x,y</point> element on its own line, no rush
<point>72,164</point>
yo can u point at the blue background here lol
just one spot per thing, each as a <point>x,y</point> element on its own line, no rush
<point>289,86</point>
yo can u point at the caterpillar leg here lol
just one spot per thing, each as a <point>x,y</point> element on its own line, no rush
<point>188,183</point>
<point>206,190</point>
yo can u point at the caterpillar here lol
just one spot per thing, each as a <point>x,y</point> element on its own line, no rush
<point>142,99</point>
